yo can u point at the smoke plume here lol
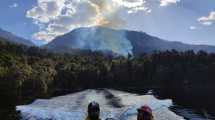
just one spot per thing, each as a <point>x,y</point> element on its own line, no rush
<point>102,39</point>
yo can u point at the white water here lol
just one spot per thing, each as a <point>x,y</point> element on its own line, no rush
<point>73,106</point>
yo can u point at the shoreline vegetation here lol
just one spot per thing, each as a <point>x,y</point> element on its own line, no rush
<point>27,73</point>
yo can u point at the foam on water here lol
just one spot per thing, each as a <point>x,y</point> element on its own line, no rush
<point>73,106</point>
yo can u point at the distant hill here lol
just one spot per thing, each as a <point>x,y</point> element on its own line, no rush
<point>143,42</point>
<point>117,41</point>
<point>7,36</point>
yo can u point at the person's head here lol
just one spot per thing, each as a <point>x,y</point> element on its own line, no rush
<point>93,111</point>
<point>144,113</point>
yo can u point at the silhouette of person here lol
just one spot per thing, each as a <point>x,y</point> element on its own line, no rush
<point>93,111</point>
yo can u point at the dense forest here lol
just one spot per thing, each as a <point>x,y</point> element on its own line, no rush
<point>27,73</point>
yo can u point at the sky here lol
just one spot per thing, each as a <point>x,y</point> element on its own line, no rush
<point>188,21</point>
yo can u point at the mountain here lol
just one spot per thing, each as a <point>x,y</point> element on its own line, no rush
<point>143,42</point>
<point>122,42</point>
<point>7,36</point>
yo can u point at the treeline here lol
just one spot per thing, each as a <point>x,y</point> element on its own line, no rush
<point>30,73</point>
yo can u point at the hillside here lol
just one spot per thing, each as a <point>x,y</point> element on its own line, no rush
<point>122,42</point>
<point>7,36</point>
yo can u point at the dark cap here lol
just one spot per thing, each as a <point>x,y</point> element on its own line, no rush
<point>93,106</point>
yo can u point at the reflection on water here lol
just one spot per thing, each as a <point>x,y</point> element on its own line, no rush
<point>192,109</point>
<point>192,114</point>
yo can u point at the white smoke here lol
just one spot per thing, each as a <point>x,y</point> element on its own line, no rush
<point>99,38</point>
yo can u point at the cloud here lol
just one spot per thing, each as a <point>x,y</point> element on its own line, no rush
<point>207,20</point>
<point>168,2</point>
<point>61,16</point>
<point>46,10</point>
<point>193,28</point>
<point>14,5</point>
<point>57,17</point>
<point>43,35</point>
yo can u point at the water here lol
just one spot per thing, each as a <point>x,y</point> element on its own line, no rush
<point>192,113</point>
<point>114,104</point>
<point>187,109</point>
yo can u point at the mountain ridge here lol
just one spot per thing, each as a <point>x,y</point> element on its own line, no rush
<point>8,36</point>
<point>97,38</point>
